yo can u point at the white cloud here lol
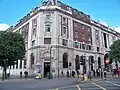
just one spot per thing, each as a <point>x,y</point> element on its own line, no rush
<point>117,29</point>
<point>3,26</point>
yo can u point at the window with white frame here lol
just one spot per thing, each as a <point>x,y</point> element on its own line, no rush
<point>83,36</point>
<point>64,42</point>
<point>34,22</point>
<point>64,28</point>
<point>34,31</point>
<point>47,28</point>
<point>89,38</point>
<point>76,35</point>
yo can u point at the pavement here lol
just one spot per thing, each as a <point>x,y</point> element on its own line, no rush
<point>61,84</point>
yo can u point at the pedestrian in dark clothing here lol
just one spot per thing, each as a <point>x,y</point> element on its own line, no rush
<point>73,74</point>
<point>25,74</point>
<point>97,72</point>
<point>62,73</point>
<point>78,74</point>
<point>105,73</point>
<point>21,75</point>
<point>94,73</point>
<point>67,73</point>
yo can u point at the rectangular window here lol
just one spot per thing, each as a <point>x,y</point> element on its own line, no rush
<point>98,49</point>
<point>33,43</point>
<point>34,31</point>
<point>34,22</point>
<point>88,47</point>
<point>89,38</point>
<point>64,30</point>
<point>64,20</point>
<point>89,30</point>
<point>83,36</point>
<point>64,42</point>
<point>47,27</point>
<point>105,40</point>
<point>76,35</point>
<point>82,26</point>
<point>47,40</point>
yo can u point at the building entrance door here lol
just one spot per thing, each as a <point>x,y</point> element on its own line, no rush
<point>46,68</point>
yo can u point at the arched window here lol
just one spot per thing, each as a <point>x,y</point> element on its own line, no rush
<point>65,60</point>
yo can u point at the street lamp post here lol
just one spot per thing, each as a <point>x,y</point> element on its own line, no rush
<point>90,67</point>
<point>50,62</point>
<point>58,56</point>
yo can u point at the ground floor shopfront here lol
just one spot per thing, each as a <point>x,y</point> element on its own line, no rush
<point>51,59</point>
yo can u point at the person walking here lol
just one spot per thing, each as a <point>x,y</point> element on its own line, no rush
<point>21,75</point>
<point>105,73</point>
<point>25,74</point>
<point>78,73</point>
<point>67,73</point>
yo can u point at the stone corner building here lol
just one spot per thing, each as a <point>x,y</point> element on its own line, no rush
<point>58,33</point>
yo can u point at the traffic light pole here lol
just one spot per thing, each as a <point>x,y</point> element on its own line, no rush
<point>90,68</point>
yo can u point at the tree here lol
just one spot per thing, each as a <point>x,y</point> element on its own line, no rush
<point>12,48</point>
<point>114,53</point>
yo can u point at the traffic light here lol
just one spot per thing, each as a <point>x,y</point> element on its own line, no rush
<point>81,60</point>
<point>77,62</point>
<point>84,60</point>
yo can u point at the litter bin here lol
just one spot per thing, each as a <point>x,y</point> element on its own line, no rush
<point>39,75</point>
<point>85,77</point>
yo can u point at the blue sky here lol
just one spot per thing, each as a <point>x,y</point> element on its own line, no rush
<point>107,11</point>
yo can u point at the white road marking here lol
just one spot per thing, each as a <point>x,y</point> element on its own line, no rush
<point>99,86</point>
<point>113,83</point>
<point>78,87</point>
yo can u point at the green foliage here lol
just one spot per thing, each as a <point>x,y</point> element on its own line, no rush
<point>12,48</point>
<point>114,53</point>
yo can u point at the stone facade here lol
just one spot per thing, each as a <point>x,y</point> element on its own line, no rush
<point>55,33</point>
